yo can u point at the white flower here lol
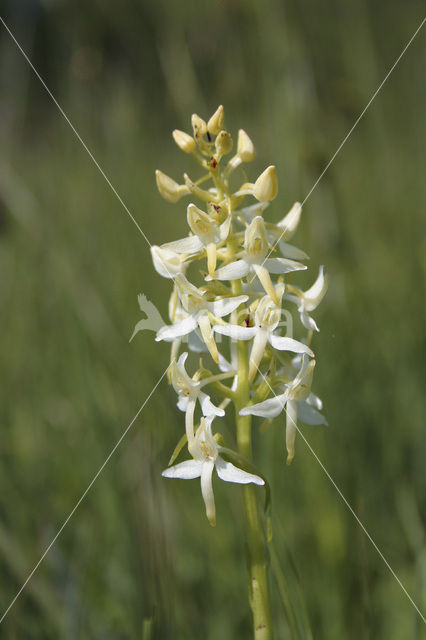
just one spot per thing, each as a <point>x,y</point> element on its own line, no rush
<point>309,300</point>
<point>299,402</point>
<point>207,235</point>
<point>254,260</point>
<point>189,391</point>
<point>168,263</point>
<point>206,457</point>
<point>266,319</point>
<point>198,308</point>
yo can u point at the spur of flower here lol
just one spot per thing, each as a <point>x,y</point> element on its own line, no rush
<point>201,312</point>
<point>205,458</point>
<point>297,399</point>
<point>266,319</point>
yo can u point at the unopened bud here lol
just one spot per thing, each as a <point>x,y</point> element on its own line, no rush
<point>168,188</point>
<point>223,143</point>
<point>266,186</point>
<point>199,126</point>
<point>245,148</point>
<point>184,141</point>
<point>215,124</point>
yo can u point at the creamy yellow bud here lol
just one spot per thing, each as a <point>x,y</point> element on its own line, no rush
<point>184,141</point>
<point>223,143</point>
<point>255,238</point>
<point>245,148</point>
<point>266,186</point>
<point>199,126</point>
<point>168,188</point>
<point>199,222</point>
<point>215,124</point>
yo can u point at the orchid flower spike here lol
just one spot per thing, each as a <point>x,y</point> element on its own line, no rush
<point>206,457</point>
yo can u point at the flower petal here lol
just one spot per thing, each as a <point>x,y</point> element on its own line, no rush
<point>191,244</point>
<point>235,331</point>
<point>307,321</point>
<point>313,296</point>
<point>282,265</point>
<point>186,470</point>
<point>309,415</point>
<point>207,406</point>
<point>230,473</point>
<point>177,330</point>
<point>268,408</point>
<point>289,344</point>
<point>232,271</point>
<point>221,308</point>
<point>289,251</point>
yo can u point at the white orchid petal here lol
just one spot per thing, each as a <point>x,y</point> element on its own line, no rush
<point>314,401</point>
<point>235,331</point>
<point>313,296</point>
<point>182,403</point>
<point>232,271</point>
<point>268,408</point>
<point>173,331</point>
<point>282,265</point>
<point>289,344</point>
<point>207,406</point>
<point>289,251</point>
<point>309,415</point>
<point>191,244</point>
<point>221,308</point>
<point>207,490</point>
<point>308,322</point>
<point>289,223</point>
<point>186,470</point>
<point>230,473</point>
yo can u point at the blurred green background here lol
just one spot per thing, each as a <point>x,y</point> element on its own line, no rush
<point>138,559</point>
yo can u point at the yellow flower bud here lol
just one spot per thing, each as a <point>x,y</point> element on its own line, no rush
<point>245,148</point>
<point>199,126</point>
<point>184,141</point>
<point>168,188</point>
<point>215,124</point>
<point>266,186</point>
<point>223,143</point>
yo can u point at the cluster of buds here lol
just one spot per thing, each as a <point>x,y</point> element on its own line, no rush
<point>241,292</point>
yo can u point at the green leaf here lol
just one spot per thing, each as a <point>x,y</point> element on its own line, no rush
<point>178,449</point>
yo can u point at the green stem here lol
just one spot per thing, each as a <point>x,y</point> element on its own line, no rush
<point>256,548</point>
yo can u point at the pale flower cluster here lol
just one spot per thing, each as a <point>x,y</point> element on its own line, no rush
<point>242,265</point>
